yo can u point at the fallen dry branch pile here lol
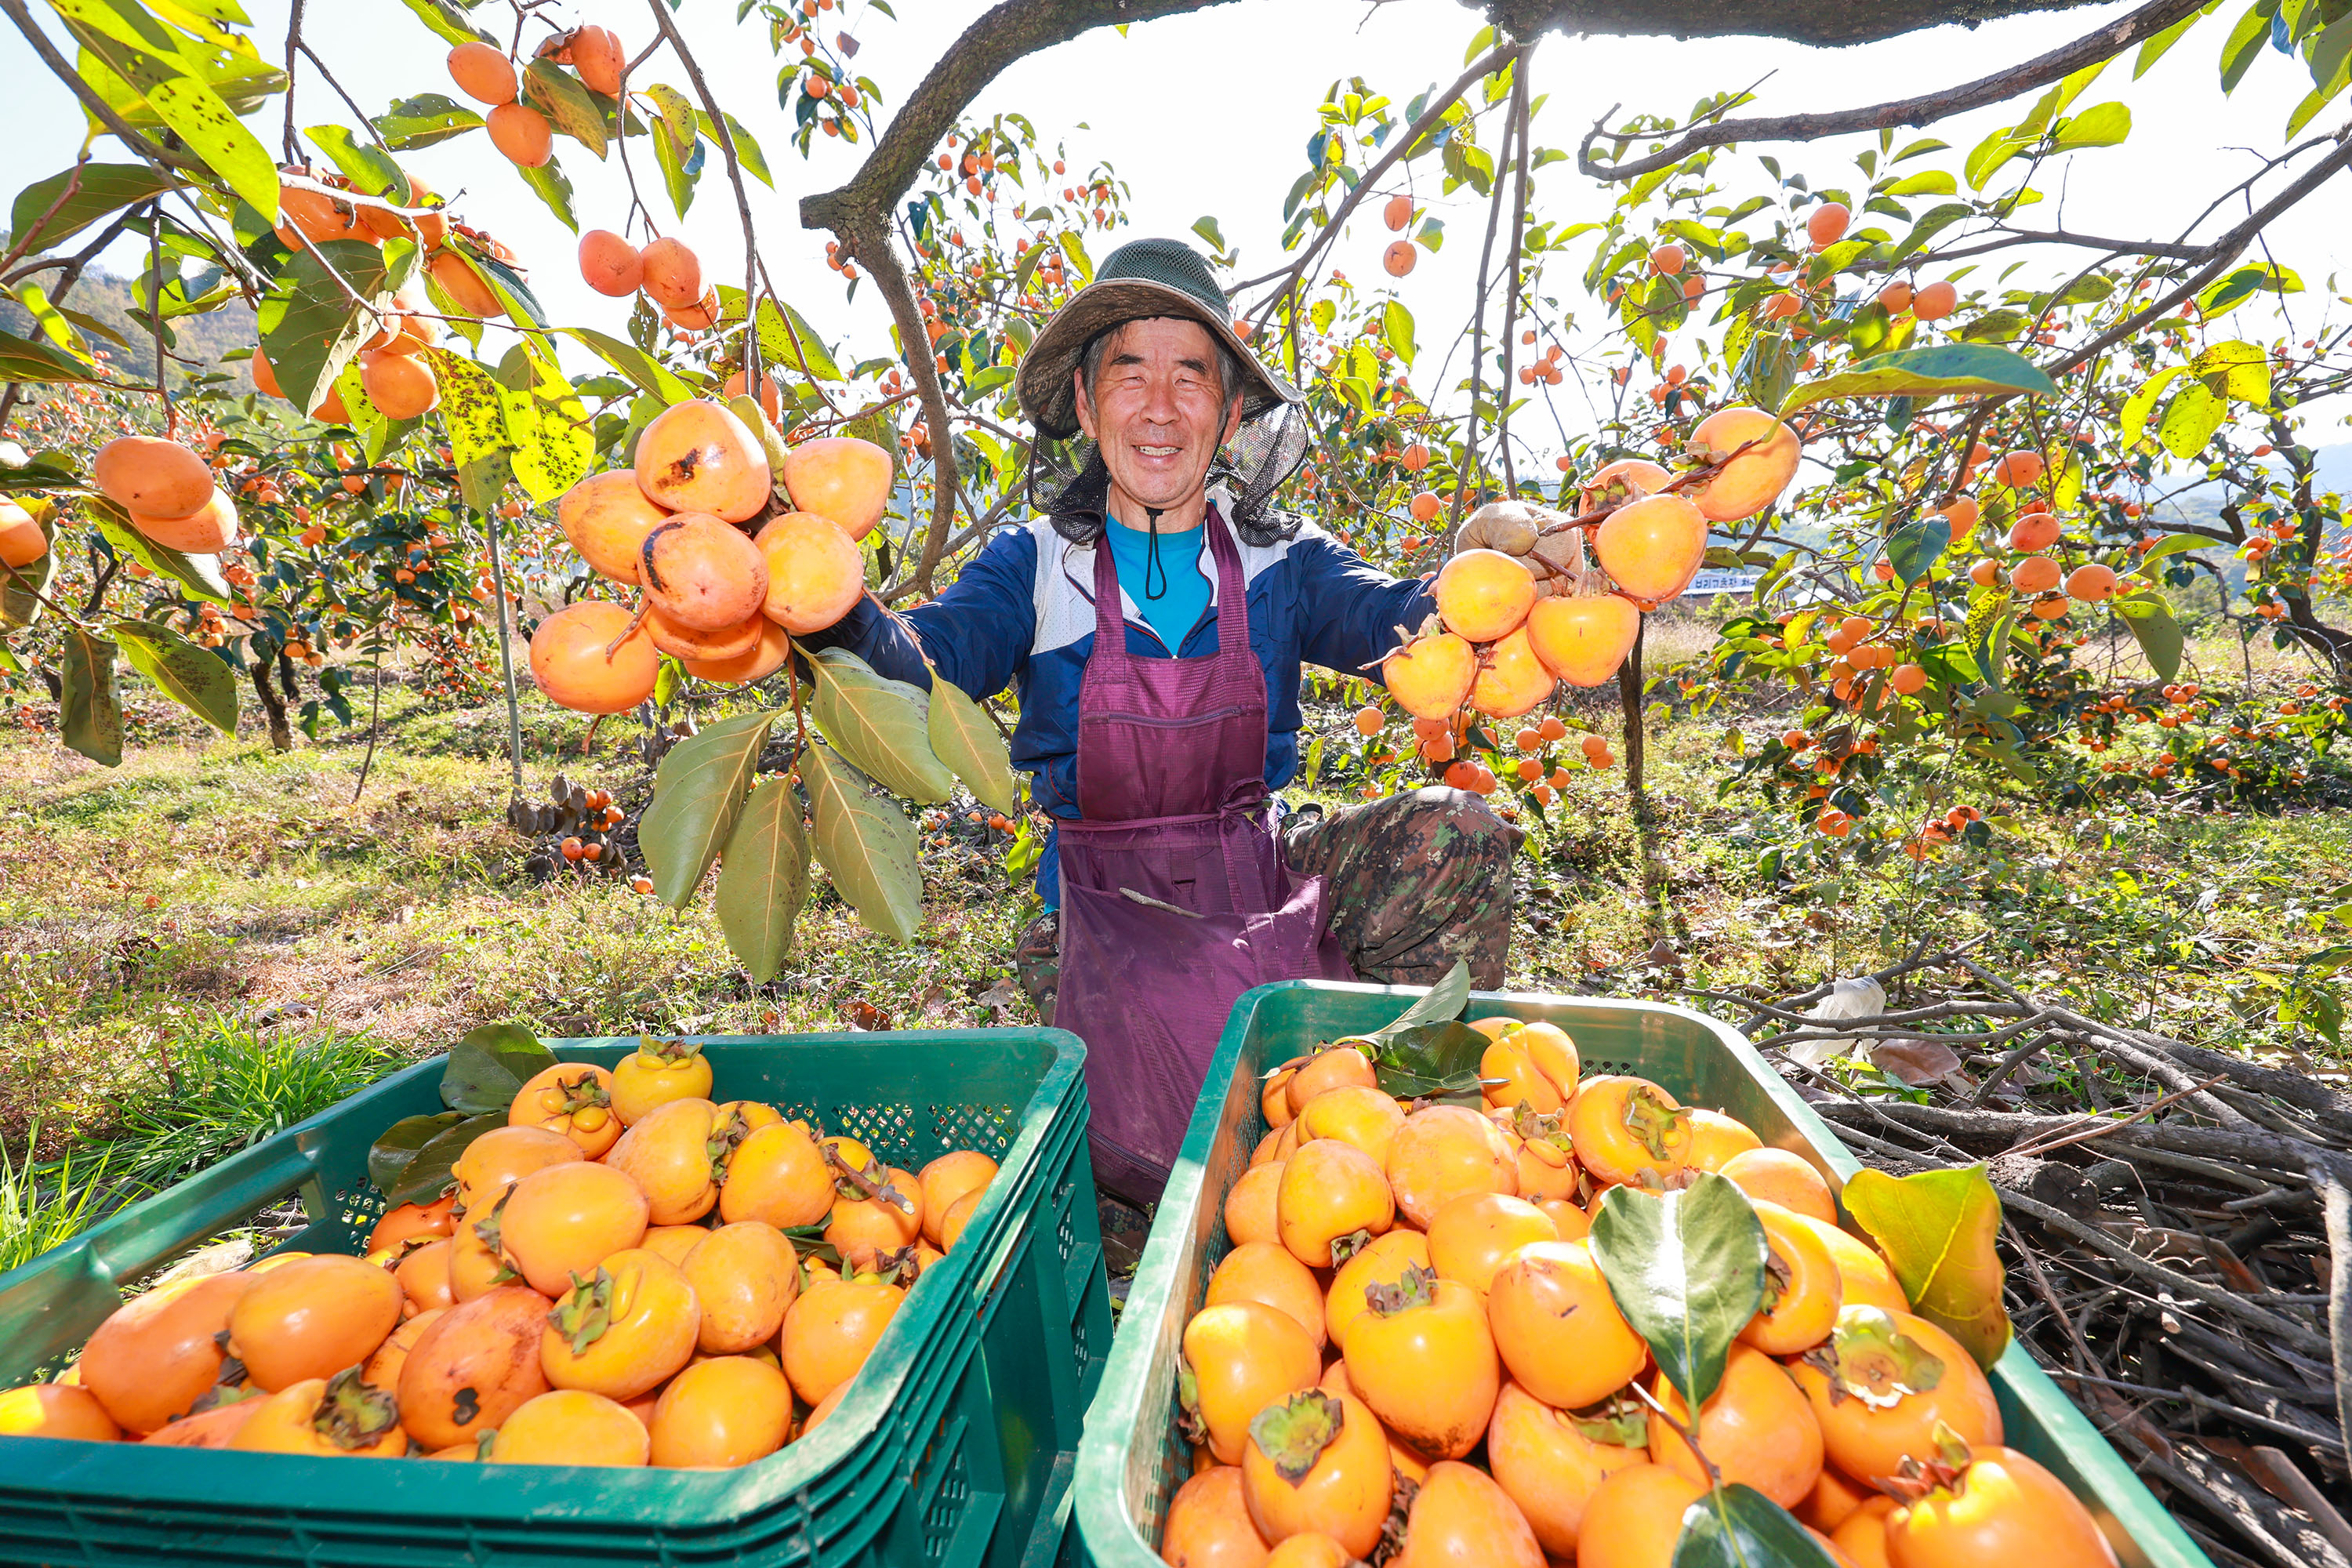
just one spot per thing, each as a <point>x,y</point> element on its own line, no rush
<point>2178,1229</point>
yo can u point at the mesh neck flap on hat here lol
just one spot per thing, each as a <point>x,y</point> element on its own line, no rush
<point>1069,482</point>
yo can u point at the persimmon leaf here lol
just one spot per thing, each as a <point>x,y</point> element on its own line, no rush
<point>1688,1270</point>
<point>1938,1229</point>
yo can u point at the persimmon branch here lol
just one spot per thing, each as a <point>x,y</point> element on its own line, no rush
<point>1005,34</point>
<point>1799,21</point>
<point>868,238</point>
<point>726,139</point>
<point>99,109</point>
<point>1431,112</point>
<point>2103,44</point>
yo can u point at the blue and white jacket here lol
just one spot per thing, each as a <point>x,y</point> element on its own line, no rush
<point>1021,615</point>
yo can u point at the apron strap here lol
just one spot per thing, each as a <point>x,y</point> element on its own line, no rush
<point>1111,615</point>
<point>1232,596</point>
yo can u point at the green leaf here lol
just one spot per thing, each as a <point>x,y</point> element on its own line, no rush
<point>2174,544</point>
<point>2245,42</point>
<point>679,171</point>
<point>1928,373</point>
<point>489,1064</point>
<point>195,678</point>
<point>1433,1060</point>
<point>962,737</point>
<point>796,345</point>
<point>2101,125</point>
<point>865,844</point>
<point>764,880</point>
<point>747,147</point>
<point>311,328</point>
<point>698,796</point>
<point>38,360</point>
<point>424,120</point>
<point>431,1172</point>
<point>1937,1230</point>
<point>371,170</point>
<point>1440,1003</point>
<point>1687,1271</point>
<point>881,726</point>
<point>1738,1527</point>
<point>2190,419</point>
<point>20,586</point>
<point>2243,284</point>
<point>639,366</point>
<point>1916,547</point>
<point>2242,368</point>
<point>1929,182</point>
<point>90,713</point>
<point>549,185</point>
<point>1932,222</point>
<point>448,21</point>
<point>2150,620</point>
<point>397,1144</point>
<point>103,189</point>
<point>561,96</point>
<point>145,55</point>
<point>1396,330</point>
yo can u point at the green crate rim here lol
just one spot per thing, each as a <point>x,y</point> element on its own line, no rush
<point>861,1449</point>
<point>1116,1421</point>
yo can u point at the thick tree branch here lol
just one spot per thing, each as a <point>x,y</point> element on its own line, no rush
<point>1009,31</point>
<point>868,238</point>
<point>1824,22</point>
<point>2103,44</point>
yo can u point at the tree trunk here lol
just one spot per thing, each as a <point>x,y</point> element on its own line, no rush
<point>1629,698</point>
<point>273,706</point>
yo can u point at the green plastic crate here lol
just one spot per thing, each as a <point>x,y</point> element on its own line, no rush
<point>955,1447</point>
<point>1130,1461</point>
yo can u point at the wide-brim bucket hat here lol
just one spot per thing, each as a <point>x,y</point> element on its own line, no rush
<point>1141,279</point>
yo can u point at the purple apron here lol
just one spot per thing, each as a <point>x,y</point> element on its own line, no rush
<point>1174,896</point>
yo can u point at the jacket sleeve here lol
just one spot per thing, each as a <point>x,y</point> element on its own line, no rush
<point>978,632</point>
<point>1349,610</point>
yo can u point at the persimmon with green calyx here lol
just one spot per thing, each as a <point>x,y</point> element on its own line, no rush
<point>1367,1263</point>
<point>1885,1384</point>
<point>655,1073</point>
<point>1422,1357</point>
<point>328,1418</point>
<point>1630,1131</point>
<point>1238,1358</point>
<point>1767,453</point>
<point>624,1330</point>
<point>573,1099</point>
<point>1989,1505</point>
<point>1431,676</point>
<point>1551,1461</point>
<point>1318,1464</point>
<point>560,1223</point>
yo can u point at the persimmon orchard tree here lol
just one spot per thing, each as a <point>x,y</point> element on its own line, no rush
<point>1984,447</point>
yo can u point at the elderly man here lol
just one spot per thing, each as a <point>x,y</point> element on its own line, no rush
<point>1153,618</point>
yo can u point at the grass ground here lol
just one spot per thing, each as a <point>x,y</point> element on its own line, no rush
<point>209,888</point>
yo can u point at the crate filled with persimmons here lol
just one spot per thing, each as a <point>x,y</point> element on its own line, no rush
<point>1480,1301</point>
<point>614,1269</point>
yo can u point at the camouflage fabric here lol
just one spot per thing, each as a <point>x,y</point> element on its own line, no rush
<point>1417,881</point>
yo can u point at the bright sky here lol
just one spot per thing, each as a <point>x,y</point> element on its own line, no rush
<point>1209,113</point>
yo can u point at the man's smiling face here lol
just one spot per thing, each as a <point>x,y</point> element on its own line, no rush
<point>1157,410</point>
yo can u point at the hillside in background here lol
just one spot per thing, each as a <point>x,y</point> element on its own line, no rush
<point>197,342</point>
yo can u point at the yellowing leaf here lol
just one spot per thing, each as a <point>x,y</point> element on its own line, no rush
<point>962,737</point>
<point>1938,1228</point>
